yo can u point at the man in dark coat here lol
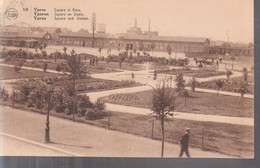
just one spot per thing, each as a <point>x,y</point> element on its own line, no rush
<point>185,143</point>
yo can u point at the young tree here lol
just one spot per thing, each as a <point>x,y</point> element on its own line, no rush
<point>99,50</point>
<point>180,83</point>
<point>163,104</point>
<point>154,75</point>
<point>185,93</point>
<point>193,84</point>
<point>121,58</point>
<point>245,74</point>
<point>45,66</point>
<point>65,50</point>
<point>229,73</point>
<point>134,51</point>
<point>77,69</point>
<point>152,48</point>
<point>219,84</point>
<point>169,50</point>
<point>243,88</point>
<point>233,59</point>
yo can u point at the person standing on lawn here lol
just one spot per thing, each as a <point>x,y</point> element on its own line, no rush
<point>185,143</point>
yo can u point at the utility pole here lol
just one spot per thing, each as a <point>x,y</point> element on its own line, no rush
<point>93,28</point>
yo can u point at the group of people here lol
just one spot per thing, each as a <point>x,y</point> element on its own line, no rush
<point>92,62</point>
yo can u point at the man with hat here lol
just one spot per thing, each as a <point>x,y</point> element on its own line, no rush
<point>185,143</point>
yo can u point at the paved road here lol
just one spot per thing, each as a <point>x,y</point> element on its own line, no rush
<point>15,147</point>
<point>86,140</point>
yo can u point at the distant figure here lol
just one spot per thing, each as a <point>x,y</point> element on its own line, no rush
<point>90,62</point>
<point>220,60</point>
<point>154,75</point>
<point>185,143</point>
<point>133,75</point>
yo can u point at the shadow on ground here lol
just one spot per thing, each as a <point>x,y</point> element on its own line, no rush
<point>72,145</point>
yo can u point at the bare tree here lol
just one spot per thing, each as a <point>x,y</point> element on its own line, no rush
<point>163,104</point>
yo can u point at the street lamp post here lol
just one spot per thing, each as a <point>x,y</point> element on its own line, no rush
<point>47,129</point>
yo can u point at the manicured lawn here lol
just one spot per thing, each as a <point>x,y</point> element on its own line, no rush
<point>230,139</point>
<point>9,73</point>
<point>201,73</point>
<point>52,65</point>
<point>197,102</point>
<point>232,85</point>
<point>89,84</point>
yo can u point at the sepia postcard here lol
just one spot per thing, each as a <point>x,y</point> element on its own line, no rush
<point>127,78</point>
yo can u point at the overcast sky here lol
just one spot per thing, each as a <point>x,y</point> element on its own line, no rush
<point>214,19</point>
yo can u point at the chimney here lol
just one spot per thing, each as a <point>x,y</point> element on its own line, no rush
<point>149,26</point>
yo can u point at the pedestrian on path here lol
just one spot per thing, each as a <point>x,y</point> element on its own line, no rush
<point>185,143</point>
<point>133,75</point>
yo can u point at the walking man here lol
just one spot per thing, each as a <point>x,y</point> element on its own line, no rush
<point>185,143</point>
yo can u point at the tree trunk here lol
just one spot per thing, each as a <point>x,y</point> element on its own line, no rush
<point>74,92</point>
<point>162,124</point>
<point>185,101</point>
<point>41,104</point>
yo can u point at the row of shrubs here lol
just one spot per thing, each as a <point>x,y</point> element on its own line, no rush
<point>23,54</point>
<point>20,53</point>
<point>143,59</point>
<point>200,73</point>
<point>86,86</point>
<point>34,94</point>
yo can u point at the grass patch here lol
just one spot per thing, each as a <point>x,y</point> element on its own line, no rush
<point>102,66</point>
<point>232,85</point>
<point>234,140</point>
<point>52,65</point>
<point>197,102</point>
<point>9,73</point>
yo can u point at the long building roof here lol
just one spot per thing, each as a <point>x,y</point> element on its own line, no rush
<point>22,34</point>
<point>133,36</point>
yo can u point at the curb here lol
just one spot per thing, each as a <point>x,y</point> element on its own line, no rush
<point>39,144</point>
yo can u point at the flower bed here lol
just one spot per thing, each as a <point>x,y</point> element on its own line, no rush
<point>201,73</point>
